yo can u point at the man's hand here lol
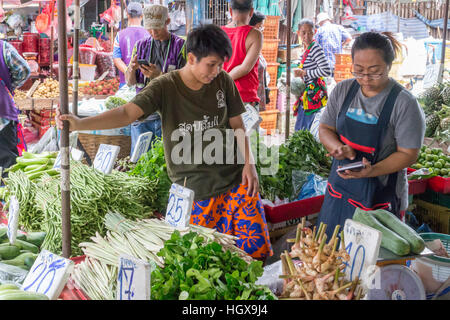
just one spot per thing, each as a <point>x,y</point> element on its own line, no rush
<point>73,120</point>
<point>134,65</point>
<point>343,152</point>
<point>151,71</point>
<point>364,173</point>
<point>250,178</point>
<point>299,73</point>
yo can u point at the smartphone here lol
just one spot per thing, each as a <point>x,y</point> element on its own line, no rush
<point>355,166</point>
<point>144,62</point>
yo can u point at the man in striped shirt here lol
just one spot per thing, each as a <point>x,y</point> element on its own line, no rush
<point>331,37</point>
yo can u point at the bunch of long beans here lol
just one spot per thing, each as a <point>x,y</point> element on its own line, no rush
<point>142,239</point>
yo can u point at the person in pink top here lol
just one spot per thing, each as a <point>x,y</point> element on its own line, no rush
<point>247,44</point>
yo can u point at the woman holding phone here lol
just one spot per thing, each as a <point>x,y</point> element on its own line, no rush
<point>372,119</point>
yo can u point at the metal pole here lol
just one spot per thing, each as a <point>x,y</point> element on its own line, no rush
<point>444,39</point>
<point>288,70</point>
<point>76,54</point>
<point>64,108</point>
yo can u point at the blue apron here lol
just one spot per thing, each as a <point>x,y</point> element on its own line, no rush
<point>344,196</point>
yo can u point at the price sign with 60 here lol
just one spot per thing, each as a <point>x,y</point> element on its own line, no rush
<point>133,281</point>
<point>362,243</point>
<point>142,145</point>
<point>106,157</point>
<point>13,219</point>
<point>48,275</point>
<point>179,207</point>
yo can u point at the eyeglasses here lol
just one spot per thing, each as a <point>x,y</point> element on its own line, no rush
<point>358,75</point>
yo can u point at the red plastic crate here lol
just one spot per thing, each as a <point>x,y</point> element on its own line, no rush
<point>439,184</point>
<point>293,210</point>
<point>417,186</point>
<point>70,292</point>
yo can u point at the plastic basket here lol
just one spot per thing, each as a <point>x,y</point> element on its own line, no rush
<point>416,186</point>
<point>440,184</point>
<point>70,291</point>
<point>436,216</point>
<point>340,75</point>
<point>270,50</point>
<point>436,198</point>
<point>445,239</point>
<point>342,68</point>
<point>273,95</point>
<point>293,210</point>
<point>271,27</point>
<point>269,120</point>
<point>272,70</point>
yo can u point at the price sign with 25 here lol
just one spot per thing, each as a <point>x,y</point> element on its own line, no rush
<point>179,207</point>
<point>133,281</point>
<point>106,157</point>
<point>48,275</point>
<point>362,243</point>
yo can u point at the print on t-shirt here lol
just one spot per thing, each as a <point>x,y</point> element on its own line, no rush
<point>360,115</point>
<point>221,99</point>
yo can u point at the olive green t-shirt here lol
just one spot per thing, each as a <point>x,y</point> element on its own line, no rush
<point>194,124</point>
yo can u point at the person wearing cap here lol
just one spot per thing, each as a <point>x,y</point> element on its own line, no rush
<point>162,52</point>
<point>247,44</point>
<point>127,38</point>
<point>331,37</point>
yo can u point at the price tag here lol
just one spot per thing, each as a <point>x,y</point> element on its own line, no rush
<point>103,76</point>
<point>133,281</point>
<point>33,88</point>
<point>362,244</point>
<point>141,146</point>
<point>48,275</point>
<point>76,154</point>
<point>251,119</point>
<point>13,219</point>
<point>106,157</point>
<point>179,207</point>
<point>57,164</point>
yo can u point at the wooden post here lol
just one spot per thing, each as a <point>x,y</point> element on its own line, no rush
<point>444,39</point>
<point>122,20</point>
<point>64,108</point>
<point>76,54</point>
<point>288,70</point>
<point>398,14</point>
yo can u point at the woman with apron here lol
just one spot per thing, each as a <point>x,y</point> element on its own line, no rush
<point>374,120</point>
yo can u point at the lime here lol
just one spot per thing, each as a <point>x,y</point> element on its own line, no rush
<point>435,157</point>
<point>436,151</point>
<point>444,172</point>
<point>429,157</point>
<point>441,161</point>
<point>429,164</point>
<point>444,157</point>
<point>428,150</point>
<point>423,148</point>
<point>438,165</point>
<point>447,165</point>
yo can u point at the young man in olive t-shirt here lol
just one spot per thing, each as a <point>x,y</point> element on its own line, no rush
<point>201,109</point>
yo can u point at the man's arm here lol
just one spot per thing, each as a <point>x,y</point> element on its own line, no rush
<point>130,72</point>
<point>253,45</point>
<point>118,62</point>
<point>18,67</point>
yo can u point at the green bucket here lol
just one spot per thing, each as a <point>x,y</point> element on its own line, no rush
<point>445,239</point>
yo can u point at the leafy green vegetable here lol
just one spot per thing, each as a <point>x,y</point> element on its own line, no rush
<point>300,152</point>
<point>114,102</point>
<point>152,165</point>
<point>195,271</point>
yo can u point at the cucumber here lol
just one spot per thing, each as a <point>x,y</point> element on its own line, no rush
<point>389,239</point>
<point>3,234</point>
<point>9,252</point>
<point>29,261</point>
<point>36,238</point>
<point>8,286</point>
<point>21,295</point>
<point>402,229</point>
<point>23,245</point>
<point>21,236</point>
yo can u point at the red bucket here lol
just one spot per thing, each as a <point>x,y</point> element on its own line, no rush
<point>44,51</point>
<point>30,42</point>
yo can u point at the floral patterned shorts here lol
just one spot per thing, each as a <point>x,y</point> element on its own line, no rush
<point>238,214</point>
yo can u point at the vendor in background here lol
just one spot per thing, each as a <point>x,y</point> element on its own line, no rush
<point>14,71</point>
<point>226,192</point>
<point>375,120</point>
<point>163,52</point>
<point>313,68</point>
<point>247,44</point>
<point>127,38</point>
<point>257,22</point>
<point>331,37</point>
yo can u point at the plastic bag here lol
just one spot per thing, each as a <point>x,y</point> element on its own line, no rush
<point>127,93</point>
<point>315,186</point>
<point>105,62</point>
<point>299,178</point>
<point>271,278</point>
<point>12,274</point>
<point>47,142</point>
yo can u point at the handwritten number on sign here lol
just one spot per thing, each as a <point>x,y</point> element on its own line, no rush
<point>176,216</point>
<point>124,274</point>
<point>363,252</point>
<point>55,265</point>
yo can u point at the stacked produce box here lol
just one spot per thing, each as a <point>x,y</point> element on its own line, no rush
<point>270,53</point>
<point>42,120</point>
<point>343,67</point>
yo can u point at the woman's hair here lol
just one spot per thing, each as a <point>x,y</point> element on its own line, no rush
<point>306,21</point>
<point>257,17</point>
<point>209,39</point>
<point>384,41</point>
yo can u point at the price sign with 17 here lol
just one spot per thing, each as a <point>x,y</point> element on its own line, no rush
<point>133,281</point>
<point>48,275</point>
<point>179,207</point>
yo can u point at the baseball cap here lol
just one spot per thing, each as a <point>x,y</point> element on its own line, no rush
<point>155,16</point>
<point>322,17</point>
<point>134,9</point>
